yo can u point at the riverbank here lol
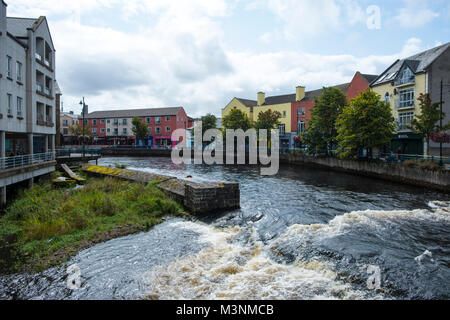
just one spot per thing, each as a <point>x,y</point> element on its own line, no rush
<point>46,226</point>
<point>401,173</point>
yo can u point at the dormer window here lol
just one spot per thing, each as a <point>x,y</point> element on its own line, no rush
<point>405,76</point>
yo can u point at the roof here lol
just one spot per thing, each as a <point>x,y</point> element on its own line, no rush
<point>289,98</point>
<point>68,114</point>
<point>18,26</point>
<point>134,113</point>
<point>417,63</point>
<point>369,77</point>
<point>248,103</point>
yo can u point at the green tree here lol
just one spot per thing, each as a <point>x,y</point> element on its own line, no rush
<point>236,119</point>
<point>268,120</point>
<point>208,122</point>
<point>321,135</point>
<point>77,131</point>
<point>427,122</point>
<point>366,123</point>
<point>140,129</point>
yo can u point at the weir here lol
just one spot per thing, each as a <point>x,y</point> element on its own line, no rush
<point>196,197</point>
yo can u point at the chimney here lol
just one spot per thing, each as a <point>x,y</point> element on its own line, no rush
<point>300,93</point>
<point>261,98</point>
<point>71,112</point>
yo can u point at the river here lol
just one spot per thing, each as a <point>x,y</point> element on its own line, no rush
<point>302,234</point>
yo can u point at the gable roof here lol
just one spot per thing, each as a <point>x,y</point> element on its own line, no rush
<point>155,112</point>
<point>417,63</point>
<point>18,26</point>
<point>247,103</point>
<point>369,77</point>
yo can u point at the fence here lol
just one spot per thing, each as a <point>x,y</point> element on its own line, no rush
<point>78,152</point>
<point>26,160</point>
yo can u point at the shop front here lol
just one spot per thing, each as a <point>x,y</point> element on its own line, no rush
<point>407,143</point>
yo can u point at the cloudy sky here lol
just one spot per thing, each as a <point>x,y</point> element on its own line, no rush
<point>201,53</point>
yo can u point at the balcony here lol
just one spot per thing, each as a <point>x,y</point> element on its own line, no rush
<point>404,105</point>
<point>26,160</point>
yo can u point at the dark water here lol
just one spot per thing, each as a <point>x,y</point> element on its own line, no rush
<point>303,234</point>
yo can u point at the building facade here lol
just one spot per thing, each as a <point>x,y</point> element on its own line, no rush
<point>295,109</point>
<point>401,85</point>
<point>27,97</point>
<point>116,127</point>
<point>67,120</point>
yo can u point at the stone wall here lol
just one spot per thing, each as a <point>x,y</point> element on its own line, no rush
<point>196,197</point>
<point>394,172</point>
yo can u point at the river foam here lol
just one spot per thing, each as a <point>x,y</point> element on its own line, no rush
<point>233,268</point>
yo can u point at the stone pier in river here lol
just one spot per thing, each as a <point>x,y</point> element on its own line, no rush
<point>197,197</point>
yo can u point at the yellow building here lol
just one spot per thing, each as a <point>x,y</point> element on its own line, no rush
<point>401,85</point>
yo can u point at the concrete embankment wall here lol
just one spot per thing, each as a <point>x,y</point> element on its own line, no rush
<point>197,197</point>
<point>124,152</point>
<point>394,172</point>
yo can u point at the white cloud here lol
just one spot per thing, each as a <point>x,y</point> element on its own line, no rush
<point>415,14</point>
<point>180,59</point>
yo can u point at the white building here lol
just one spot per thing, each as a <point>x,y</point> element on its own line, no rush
<point>27,99</point>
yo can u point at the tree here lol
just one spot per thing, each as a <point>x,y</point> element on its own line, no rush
<point>140,129</point>
<point>268,120</point>
<point>208,122</point>
<point>321,135</point>
<point>426,123</point>
<point>366,123</point>
<point>77,131</point>
<point>236,119</point>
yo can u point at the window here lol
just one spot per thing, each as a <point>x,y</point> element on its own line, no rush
<point>167,119</point>
<point>116,121</point>
<point>65,131</point>
<point>303,111</point>
<point>116,131</point>
<point>102,121</point>
<point>94,130</point>
<point>8,66</point>
<point>149,131</point>
<point>102,130</point>
<point>167,129</point>
<point>158,120</point>
<point>404,120</point>
<point>108,121</point>
<point>124,122</point>
<point>65,123</point>
<point>94,122</point>
<point>148,120</point>
<point>19,107</point>
<point>108,130</point>
<point>158,130</point>
<point>301,127</point>
<point>282,129</point>
<point>284,114</point>
<point>124,130</point>
<point>86,122</point>
<point>406,99</point>
<point>9,105</point>
<point>386,97</point>
<point>19,71</point>
<point>406,76</point>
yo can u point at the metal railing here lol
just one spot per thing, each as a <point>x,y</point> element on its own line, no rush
<point>78,152</point>
<point>26,160</point>
<point>399,158</point>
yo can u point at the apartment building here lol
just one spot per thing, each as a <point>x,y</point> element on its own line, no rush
<point>27,99</point>
<point>116,127</point>
<point>295,108</point>
<point>67,120</point>
<point>401,85</point>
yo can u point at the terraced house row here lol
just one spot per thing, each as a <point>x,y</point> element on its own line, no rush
<point>116,128</point>
<point>295,108</point>
<point>28,99</point>
<point>400,84</point>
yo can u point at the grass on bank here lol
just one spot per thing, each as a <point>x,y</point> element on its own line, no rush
<point>45,221</point>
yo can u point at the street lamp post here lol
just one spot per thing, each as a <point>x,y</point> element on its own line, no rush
<point>83,112</point>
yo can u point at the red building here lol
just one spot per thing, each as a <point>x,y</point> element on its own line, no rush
<point>116,128</point>
<point>301,110</point>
